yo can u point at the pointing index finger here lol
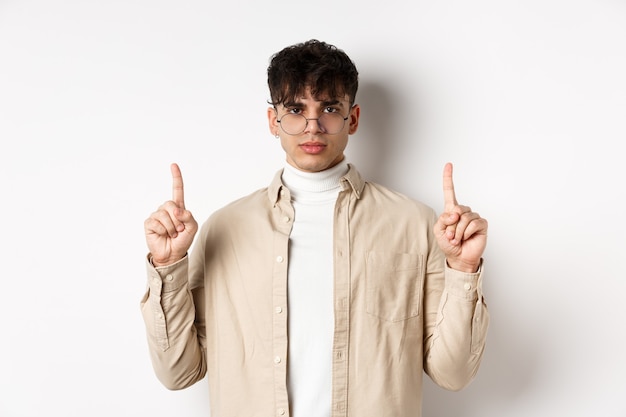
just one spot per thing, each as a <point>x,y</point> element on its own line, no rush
<point>178,192</point>
<point>449,197</point>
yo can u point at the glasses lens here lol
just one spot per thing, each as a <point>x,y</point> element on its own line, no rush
<point>329,123</point>
<point>293,124</point>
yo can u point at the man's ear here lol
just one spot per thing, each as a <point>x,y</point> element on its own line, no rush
<point>272,120</point>
<point>355,113</point>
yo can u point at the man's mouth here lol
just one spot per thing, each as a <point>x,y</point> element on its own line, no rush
<point>312,148</point>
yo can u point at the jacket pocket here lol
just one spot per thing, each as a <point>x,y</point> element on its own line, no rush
<point>394,284</point>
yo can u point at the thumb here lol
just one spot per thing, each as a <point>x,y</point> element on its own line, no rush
<point>446,225</point>
<point>180,223</point>
<point>187,222</point>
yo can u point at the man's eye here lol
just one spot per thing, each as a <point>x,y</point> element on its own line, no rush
<point>330,110</point>
<point>294,111</point>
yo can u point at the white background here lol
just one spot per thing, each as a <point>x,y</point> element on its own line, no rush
<point>526,98</point>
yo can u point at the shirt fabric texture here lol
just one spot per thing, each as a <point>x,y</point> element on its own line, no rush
<point>398,309</point>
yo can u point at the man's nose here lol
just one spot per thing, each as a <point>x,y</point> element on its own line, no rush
<point>313,125</point>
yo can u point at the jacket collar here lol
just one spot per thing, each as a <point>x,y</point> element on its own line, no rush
<point>352,180</point>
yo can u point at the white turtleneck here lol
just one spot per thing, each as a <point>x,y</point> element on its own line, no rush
<point>310,289</point>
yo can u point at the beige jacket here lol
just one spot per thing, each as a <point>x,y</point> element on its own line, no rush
<point>399,310</point>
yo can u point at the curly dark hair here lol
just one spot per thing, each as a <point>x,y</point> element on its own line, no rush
<point>325,69</point>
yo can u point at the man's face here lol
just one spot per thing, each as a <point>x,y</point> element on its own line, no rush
<point>314,149</point>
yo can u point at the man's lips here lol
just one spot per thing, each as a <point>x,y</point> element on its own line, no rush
<point>312,148</point>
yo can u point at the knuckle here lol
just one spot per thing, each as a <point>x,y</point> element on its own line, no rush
<point>169,205</point>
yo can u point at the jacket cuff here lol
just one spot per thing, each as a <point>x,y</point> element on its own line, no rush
<point>168,278</point>
<point>464,284</point>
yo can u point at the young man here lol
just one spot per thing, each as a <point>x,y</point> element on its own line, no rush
<point>322,294</point>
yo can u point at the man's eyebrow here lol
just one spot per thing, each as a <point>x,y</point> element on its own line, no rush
<point>329,102</point>
<point>322,103</point>
<point>292,103</point>
<point>332,102</point>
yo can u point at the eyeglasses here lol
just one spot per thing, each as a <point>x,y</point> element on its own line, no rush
<point>329,123</point>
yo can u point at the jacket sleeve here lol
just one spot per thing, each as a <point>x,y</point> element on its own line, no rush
<point>172,310</point>
<point>456,323</point>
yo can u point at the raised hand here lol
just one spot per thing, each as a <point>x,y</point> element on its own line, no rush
<point>461,233</point>
<point>170,230</point>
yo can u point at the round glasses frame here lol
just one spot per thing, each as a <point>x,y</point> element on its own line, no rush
<point>329,117</point>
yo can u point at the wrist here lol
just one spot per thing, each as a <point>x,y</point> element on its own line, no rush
<point>167,262</point>
<point>467,267</point>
